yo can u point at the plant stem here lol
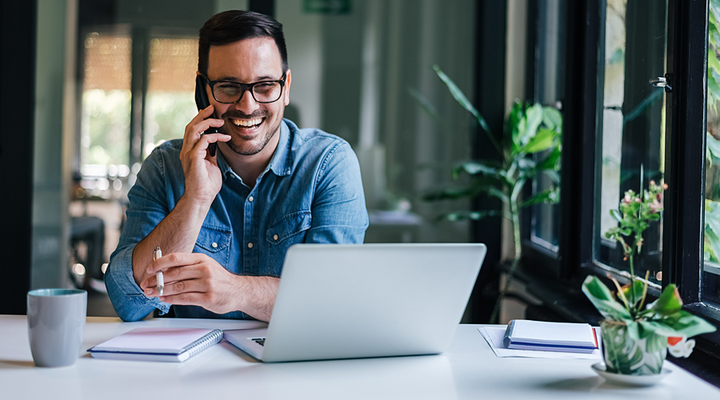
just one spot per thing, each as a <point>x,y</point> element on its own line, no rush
<point>514,211</point>
<point>632,284</point>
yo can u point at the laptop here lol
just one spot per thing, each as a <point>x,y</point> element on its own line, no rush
<point>365,300</point>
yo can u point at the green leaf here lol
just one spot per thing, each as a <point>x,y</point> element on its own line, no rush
<point>669,301</point>
<point>512,127</point>
<point>499,194</point>
<point>713,146</point>
<point>449,194</point>
<point>552,118</point>
<point>681,323</point>
<point>553,175</point>
<point>713,62</point>
<point>551,160</point>
<point>548,196</point>
<point>711,242</point>
<point>653,341</point>
<point>426,105</point>
<point>466,104</point>
<point>603,300</point>
<point>470,215</point>
<point>543,140</point>
<point>533,119</point>
<point>627,291</point>
<point>475,168</point>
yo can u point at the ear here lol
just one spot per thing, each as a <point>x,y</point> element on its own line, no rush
<point>286,93</point>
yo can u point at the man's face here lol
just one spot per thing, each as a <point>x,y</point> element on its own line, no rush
<point>251,125</point>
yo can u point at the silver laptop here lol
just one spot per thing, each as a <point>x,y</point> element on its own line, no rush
<point>369,300</point>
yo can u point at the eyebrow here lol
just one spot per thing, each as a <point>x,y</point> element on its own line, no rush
<point>257,79</point>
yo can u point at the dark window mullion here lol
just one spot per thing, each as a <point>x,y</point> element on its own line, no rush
<point>684,150</point>
<point>579,119</point>
<point>138,85</point>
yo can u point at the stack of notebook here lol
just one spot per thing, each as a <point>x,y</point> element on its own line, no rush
<point>550,336</point>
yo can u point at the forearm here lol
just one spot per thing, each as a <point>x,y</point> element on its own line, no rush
<point>257,296</point>
<point>176,233</point>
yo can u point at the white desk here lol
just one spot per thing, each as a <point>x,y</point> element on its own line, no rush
<point>468,370</point>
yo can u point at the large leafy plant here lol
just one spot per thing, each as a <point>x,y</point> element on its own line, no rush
<point>661,323</point>
<point>530,146</point>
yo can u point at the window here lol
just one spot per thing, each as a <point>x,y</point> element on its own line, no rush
<point>631,127</point>
<point>170,101</point>
<point>548,87</point>
<point>622,130</point>
<point>710,289</point>
<point>105,121</point>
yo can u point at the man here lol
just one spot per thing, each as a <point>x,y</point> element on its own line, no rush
<point>225,222</point>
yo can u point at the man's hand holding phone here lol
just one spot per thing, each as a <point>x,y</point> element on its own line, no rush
<point>203,178</point>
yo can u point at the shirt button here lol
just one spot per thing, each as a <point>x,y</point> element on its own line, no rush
<point>250,199</point>
<point>250,245</point>
<point>275,237</point>
<point>214,245</point>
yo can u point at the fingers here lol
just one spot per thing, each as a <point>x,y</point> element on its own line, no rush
<point>202,122</point>
<point>206,139</point>
<point>175,267</point>
<point>172,260</point>
<point>185,299</point>
<point>176,288</point>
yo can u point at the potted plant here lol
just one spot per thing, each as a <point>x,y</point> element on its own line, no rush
<point>530,147</point>
<point>636,335</point>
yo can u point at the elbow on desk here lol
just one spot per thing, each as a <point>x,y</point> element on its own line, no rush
<point>130,307</point>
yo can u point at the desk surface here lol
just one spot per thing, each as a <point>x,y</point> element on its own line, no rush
<point>468,370</point>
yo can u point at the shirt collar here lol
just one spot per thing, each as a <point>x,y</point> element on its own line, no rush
<point>280,163</point>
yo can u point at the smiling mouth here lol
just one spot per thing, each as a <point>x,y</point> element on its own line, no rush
<point>247,123</point>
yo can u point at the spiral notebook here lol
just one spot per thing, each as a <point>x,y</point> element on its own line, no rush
<point>157,344</point>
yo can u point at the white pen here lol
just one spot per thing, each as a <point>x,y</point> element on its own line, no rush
<point>159,276</point>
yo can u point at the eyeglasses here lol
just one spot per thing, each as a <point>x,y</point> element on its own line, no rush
<point>229,92</point>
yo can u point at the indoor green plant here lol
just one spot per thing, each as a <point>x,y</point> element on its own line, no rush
<point>636,335</point>
<point>529,147</point>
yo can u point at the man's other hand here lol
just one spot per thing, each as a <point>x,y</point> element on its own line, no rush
<point>194,279</point>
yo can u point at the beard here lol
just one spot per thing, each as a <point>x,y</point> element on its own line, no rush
<point>245,147</point>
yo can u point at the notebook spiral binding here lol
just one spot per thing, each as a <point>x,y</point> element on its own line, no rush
<point>204,342</point>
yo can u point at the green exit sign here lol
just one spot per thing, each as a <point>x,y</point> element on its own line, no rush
<point>334,7</point>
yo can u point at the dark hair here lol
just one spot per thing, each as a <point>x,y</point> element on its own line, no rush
<point>231,26</point>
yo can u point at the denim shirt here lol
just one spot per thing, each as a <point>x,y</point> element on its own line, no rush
<point>310,192</point>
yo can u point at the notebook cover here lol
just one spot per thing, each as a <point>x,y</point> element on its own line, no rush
<point>160,344</point>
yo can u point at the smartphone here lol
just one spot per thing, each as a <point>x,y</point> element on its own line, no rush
<point>202,102</point>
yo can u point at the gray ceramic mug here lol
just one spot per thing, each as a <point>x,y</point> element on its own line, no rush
<point>56,323</point>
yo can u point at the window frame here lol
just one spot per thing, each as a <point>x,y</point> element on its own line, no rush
<point>683,219</point>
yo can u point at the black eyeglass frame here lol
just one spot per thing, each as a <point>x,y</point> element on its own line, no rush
<point>246,87</point>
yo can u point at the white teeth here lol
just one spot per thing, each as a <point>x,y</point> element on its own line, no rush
<point>246,122</point>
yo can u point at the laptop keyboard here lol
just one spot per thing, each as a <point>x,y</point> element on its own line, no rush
<point>259,340</point>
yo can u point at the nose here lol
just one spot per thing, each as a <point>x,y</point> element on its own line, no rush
<point>246,103</point>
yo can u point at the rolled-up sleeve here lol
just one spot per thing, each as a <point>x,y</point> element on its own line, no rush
<point>148,205</point>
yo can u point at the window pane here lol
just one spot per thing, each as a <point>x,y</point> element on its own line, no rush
<point>549,87</point>
<point>106,101</point>
<point>632,124</point>
<point>710,291</point>
<point>170,101</point>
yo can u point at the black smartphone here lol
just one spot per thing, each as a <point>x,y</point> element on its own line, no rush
<point>202,102</point>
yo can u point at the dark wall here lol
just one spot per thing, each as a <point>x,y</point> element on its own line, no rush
<point>17,109</point>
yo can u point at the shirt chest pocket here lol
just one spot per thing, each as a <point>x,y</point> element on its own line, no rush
<point>288,229</point>
<point>214,242</point>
